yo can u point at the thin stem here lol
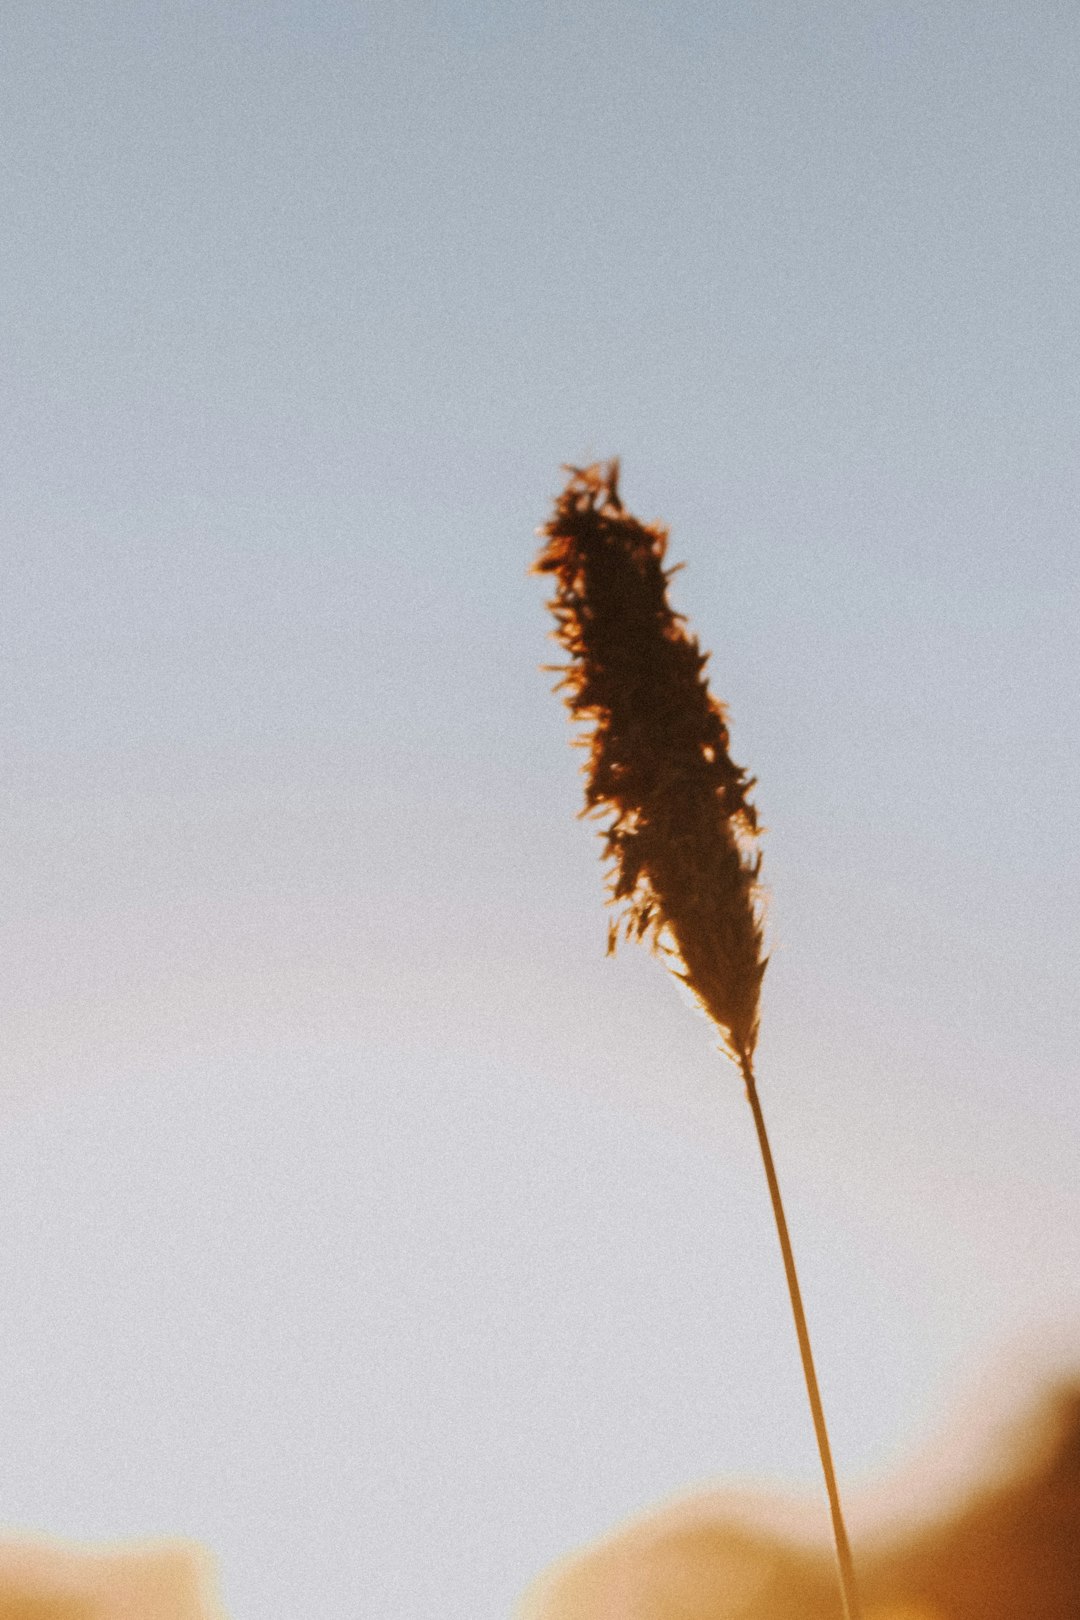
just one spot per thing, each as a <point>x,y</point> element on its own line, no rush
<point>848,1588</point>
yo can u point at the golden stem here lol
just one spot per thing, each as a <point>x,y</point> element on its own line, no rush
<point>848,1588</point>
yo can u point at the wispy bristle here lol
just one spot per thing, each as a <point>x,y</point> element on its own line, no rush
<point>682,835</point>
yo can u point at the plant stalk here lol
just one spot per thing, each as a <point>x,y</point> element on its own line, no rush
<point>846,1568</point>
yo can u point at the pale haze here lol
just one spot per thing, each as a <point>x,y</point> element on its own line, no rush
<point>357,1217</point>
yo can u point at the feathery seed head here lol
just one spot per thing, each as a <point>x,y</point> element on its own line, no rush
<point>682,835</point>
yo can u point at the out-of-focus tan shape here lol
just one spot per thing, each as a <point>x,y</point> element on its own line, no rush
<point>53,1580</point>
<point>1007,1548</point>
<point>692,1576</point>
<point>678,1565</point>
<point>905,1611</point>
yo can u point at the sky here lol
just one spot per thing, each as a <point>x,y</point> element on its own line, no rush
<point>358,1218</point>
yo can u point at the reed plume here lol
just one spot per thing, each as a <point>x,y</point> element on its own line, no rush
<point>682,834</point>
<point>682,837</point>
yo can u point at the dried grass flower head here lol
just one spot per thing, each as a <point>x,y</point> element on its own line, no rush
<point>682,835</point>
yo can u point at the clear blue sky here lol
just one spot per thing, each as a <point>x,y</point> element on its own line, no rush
<point>356,1216</point>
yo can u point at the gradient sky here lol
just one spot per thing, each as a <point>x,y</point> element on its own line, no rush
<point>356,1215</point>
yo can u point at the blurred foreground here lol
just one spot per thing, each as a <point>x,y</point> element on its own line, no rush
<point>1010,1550</point>
<point>53,1580</point>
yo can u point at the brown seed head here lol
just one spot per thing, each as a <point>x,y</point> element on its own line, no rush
<point>682,834</point>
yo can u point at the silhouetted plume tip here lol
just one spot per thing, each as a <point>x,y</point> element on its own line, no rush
<point>682,833</point>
